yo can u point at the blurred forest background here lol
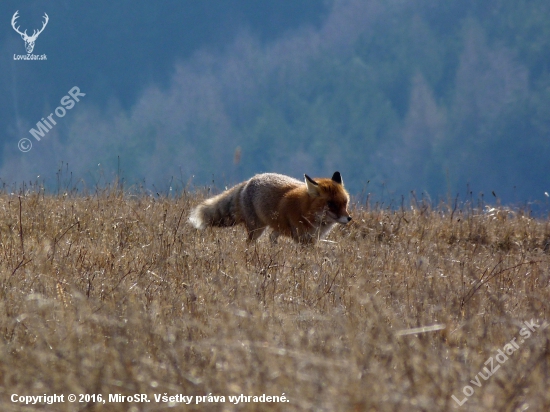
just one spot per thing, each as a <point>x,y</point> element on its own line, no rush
<point>435,97</point>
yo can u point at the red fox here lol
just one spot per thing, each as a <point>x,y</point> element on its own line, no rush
<point>304,212</point>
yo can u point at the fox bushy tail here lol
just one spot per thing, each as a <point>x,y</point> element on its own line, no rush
<point>221,210</point>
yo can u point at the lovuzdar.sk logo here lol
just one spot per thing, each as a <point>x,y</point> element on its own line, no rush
<point>29,40</point>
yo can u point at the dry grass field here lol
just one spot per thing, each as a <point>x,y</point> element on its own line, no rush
<point>112,293</point>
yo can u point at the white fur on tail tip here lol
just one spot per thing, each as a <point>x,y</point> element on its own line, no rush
<point>196,218</point>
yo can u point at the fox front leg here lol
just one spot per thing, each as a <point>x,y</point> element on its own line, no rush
<point>274,236</point>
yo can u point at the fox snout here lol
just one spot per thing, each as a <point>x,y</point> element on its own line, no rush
<point>339,217</point>
<point>345,219</point>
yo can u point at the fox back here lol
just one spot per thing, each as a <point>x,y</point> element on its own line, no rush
<point>303,211</point>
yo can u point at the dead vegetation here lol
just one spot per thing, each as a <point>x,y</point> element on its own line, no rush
<point>116,294</point>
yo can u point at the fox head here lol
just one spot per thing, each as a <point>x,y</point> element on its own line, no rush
<point>329,197</point>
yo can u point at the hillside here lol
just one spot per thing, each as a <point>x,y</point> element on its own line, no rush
<point>112,293</point>
<point>435,97</point>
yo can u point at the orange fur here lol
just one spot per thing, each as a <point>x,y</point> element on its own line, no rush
<point>304,212</point>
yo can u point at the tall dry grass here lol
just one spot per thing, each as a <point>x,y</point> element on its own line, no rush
<point>116,294</point>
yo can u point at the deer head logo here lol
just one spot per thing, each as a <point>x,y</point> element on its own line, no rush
<point>29,40</point>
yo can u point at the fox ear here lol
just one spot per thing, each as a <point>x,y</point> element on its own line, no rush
<point>312,186</point>
<point>337,177</point>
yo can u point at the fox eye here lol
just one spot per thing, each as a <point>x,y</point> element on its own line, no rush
<point>331,204</point>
